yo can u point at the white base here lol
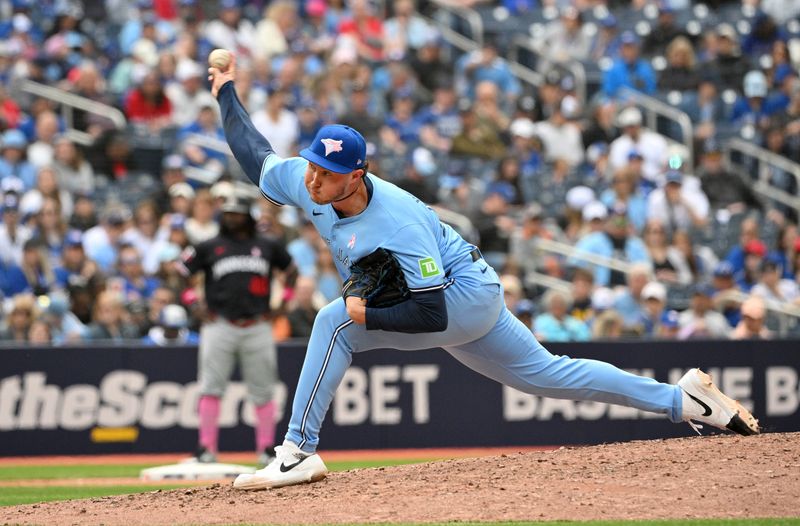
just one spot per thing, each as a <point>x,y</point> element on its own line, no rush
<point>194,471</point>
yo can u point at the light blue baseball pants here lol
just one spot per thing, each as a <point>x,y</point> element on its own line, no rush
<point>483,335</point>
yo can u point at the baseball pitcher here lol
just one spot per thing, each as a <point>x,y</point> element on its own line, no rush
<point>455,299</point>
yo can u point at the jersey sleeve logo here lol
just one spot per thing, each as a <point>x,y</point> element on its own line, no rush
<point>428,268</point>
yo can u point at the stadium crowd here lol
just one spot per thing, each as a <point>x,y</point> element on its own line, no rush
<point>93,216</point>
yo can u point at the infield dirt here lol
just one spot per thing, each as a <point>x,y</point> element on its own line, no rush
<point>699,477</point>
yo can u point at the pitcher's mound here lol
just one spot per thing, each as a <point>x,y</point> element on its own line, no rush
<point>699,477</point>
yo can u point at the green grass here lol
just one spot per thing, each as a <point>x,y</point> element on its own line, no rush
<point>10,496</point>
<point>109,471</point>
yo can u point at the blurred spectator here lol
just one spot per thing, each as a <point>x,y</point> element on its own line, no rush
<point>47,186</point>
<point>41,151</point>
<point>607,326</point>
<point>478,138</point>
<point>172,172</point>
<point>524,312</point>
<point>101,241</point>
<point>668,264</point>
<point>429,64</point>
<point>615,241</point>
<point>678,205</point>
<point>230,30</point>
<point>701,320</point>
<point>49,229</point>
<point>698,258</point>
<point>360,114</point>
<point>651,146</point>
<point>752,325</point>
<point>303,249</point>
<point>665,31</point>
<point>364,29</point>
<point>188,95</point>
<point>748,231</point>
<point>136,284</point>
<point>563,40</point>
<point>13,234</point>
<point>606,42</point>
<point>724,285</point>
<point>669,326</point>
<point>681,72</point>
<point>625,192</point>
<point>629,70</point>
<point>36,268</point>
<point>148,104</point>
<point>754,253</point>
<point>560,136</point>
<point>724,188</point>
<point>301,316</point>
<point>630,303</point>
<point>601,128</point>
<point>107,319</point>
<point>278,124</point>
<point>729,66</point>
<point>202,225</point>
<point>749,109</point>
<point>144,234</point>
<point>405,31</point>
<point>493,223</point>
<point>772,287</point>
<point>181,198</point>
<point>160,298</point>
<point>13,158</point>
<point>556,325</point>
<point>418,176</point>
<point>205,126</point>
<point>654,295</point>
<point>524,240</point>
<point>40,333</point>
<point>329,282</point>
<point>24,312</point>
<point>172,329</point>
<point>74,261</point>
<point>513,292</point>
<point>582,287</point>
<point>485,64</point>
<point>63,325</point>
<point>763,34</point>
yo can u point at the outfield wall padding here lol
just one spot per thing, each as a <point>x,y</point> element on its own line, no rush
<point>72,400</point>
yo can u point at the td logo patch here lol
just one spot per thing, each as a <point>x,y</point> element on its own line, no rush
<point>428,268</point>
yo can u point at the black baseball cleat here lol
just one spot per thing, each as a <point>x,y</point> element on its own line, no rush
<point>704,402</point>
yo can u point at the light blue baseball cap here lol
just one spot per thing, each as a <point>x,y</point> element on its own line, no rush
<point>337,148</point>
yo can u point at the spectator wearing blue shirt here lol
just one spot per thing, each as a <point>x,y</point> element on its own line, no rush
<point>13,160</point>
<point>206,125</point>
<point>402,120</point>
<point>12,279</point>
<point>630,303</point>
<point>629,70</point>
<point>485,64</point>
<point>751,109</point>
<point>754,253</point>
<point>556,325</point>
<point>172,329</point>
<point>136,285</point>
<point>748,231</point>
<point>615,241</point>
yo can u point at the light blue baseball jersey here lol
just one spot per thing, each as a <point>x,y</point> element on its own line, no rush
<point>426,248</point>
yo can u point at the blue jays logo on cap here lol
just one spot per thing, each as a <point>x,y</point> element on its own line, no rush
<point>337,148</point>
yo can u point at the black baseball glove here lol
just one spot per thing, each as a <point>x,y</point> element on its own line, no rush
<point>378,278</point>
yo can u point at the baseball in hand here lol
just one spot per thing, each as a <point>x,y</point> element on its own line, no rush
<point>220,59</point>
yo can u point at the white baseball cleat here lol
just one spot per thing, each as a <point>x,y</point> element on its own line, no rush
<point>703,402</point>
<point>290,466</point>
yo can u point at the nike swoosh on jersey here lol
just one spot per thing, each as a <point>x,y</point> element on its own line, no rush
<point>316,213</point>
<point>284,468</point>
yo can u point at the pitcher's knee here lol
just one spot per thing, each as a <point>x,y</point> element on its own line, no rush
<point>331,315</point>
